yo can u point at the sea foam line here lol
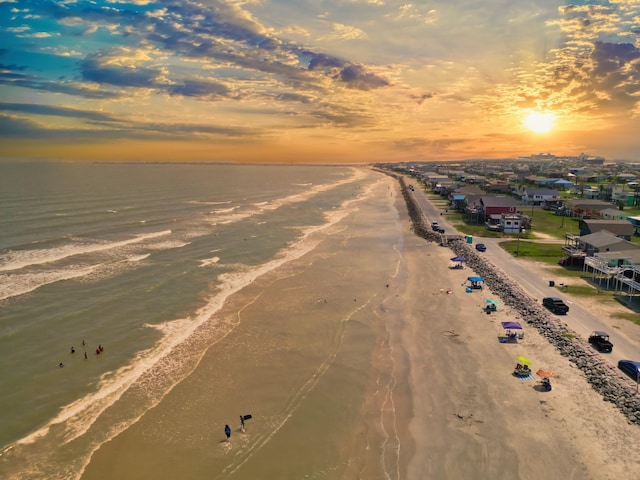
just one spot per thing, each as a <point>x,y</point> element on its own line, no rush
<point>263,207</point>
<point>15,260</point>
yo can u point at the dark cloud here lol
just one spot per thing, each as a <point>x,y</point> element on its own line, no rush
<point>11,127</point>
<point>69,88</point>
<point>324,62</point>
<point>97,68</point>
<point>200,88</point>
<point>17,127</point>
<point>356,77</point>
<point>57,111</point>
<point>294,97</point>
<point>420,99</point>
<point>614,57</point>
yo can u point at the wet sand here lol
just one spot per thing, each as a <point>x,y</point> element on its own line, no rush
<point>356,363</point>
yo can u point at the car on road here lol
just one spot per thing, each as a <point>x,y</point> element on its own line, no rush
<point>631,368</point>
<point>556,305</point>
<point>481,247</point>
<point>600,341</point>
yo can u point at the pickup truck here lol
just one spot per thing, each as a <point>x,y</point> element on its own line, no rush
<point>556,305</point>
<point>600,341</point>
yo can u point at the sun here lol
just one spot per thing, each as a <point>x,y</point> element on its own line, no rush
<point>539,122</point>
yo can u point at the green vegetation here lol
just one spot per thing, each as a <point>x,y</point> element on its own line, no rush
<point>548,223</point>
<point>630,317</point>
<point>587,291</point>
<point>543,252</point>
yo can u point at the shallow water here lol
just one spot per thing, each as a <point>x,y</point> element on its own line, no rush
<point>136,258</point>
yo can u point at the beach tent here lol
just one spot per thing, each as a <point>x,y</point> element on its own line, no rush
<point>475,279</point>
<point>511,325</point>
<point>457,263</point>
<point>511,336</point>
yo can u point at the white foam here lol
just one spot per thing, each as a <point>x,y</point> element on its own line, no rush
<point>13,285</point>
<point>77,418</point>
<point>15,260</point>
<point>262,207</point>
<point>209,261</point>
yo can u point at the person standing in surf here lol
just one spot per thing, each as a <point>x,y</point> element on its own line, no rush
<point>227,431</point>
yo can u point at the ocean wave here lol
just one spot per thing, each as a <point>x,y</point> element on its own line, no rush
<point>15,284</point>
<point>264,207</point>
<point>18,259</point>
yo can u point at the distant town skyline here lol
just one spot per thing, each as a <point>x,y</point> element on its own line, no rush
<point>319,81</point>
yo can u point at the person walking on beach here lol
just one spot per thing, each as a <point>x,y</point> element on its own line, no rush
<point>227,431</point>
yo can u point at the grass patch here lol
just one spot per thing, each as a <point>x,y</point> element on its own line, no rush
<point>542,252</point>
<point>548,223</point>
<point>586,290</point>
<point>569,335</point>
<point>630,317</point>
<point>569,272</point>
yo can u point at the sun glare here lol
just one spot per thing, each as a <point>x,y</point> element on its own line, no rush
<point>539,122</point>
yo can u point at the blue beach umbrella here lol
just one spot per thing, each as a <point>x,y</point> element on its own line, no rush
<point>457,259</point>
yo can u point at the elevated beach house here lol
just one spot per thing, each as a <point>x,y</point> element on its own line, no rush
<point>619,228</point>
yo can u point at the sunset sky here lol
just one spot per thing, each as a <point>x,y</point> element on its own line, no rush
<point>318,80</point>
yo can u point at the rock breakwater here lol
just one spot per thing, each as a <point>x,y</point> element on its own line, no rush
<point>604,378</point>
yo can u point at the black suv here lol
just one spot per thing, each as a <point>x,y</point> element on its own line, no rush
<point>556,305</point>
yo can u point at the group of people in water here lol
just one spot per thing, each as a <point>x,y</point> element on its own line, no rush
<point>99,350</point>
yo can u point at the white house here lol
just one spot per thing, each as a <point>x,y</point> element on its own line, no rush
<point>535,196</point>
<point>510,223</point>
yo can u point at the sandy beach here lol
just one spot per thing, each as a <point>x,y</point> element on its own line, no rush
<point>367,359</point>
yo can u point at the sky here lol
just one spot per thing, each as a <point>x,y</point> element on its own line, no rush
<point>318,81</point>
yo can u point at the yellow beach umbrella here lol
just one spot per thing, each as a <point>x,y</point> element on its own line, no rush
<point>523,360</point>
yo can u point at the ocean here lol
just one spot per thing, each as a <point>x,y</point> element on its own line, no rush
<point>136,258</point>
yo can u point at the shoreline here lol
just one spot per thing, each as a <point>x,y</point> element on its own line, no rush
<point>410,383</point>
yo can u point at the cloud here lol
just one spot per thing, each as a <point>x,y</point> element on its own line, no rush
<point>114,68</point>
<point>355,76</point>
<point>57,111</point>
<point>9,78</point>
<point>207,88</point>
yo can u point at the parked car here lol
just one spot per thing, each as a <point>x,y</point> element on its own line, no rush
<point>439,230</point>
<point>630,367</point>
<point>435,226</point>
<point>556,305</point>
<point>600,341</point>
<point>481,247</point>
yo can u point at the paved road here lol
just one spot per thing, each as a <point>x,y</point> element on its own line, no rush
<point>578,319</point>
